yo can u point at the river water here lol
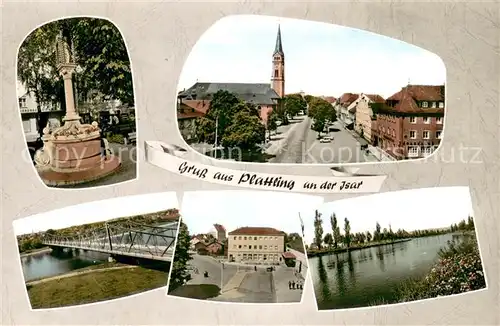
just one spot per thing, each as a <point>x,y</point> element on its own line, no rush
<point>47,264</point>
<point>364,277</point>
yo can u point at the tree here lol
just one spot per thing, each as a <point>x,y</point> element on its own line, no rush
<point>294,103</point>
<point>245,132</point>
<point>335,230</point>
<point>328,240</point>
<point>318,229</point>
<point>377,234</point>
<point>98,49</point>
<point>272,123</point>
<point>347,233</point>
<point>322,112</point>
<point>179,274</point>
<point>368,236</point>
<point>470,223</point>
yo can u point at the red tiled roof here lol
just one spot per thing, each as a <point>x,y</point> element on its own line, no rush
<point>329,99</point>
<point>408,96</point>
<point>219,228</point>
<point>199,105</point>
<point>347,98</point>
<point>420,93</point>
<point>288,255</point>
<point>249,230</point>
<point>375,98</point>
<point>186,112</point>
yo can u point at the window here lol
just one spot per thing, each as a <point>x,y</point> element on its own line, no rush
<point>427,120</point>
<point>438,134</point>
<point>276,74</point>
<point>275,247</point>
<point>439,120</point>
<point>265,247</point>
<point>260,247</point>
<point>249,246</point>
<point>244,246</point>
<point>239,246</point>
<point>234,238</point>
<point>413,119</point>
<point>255,238</point>
<point>425,104</point>
<point>27,125</point>
<point>244,256</point>
<point>433,105</point>
<point>413,134</point>
<point>412,151</point>
<point>22,102</point>
<point>265,257</point>
<point>441,105</point>
<point>275,238</point>
<point>244,238</point>
<point>427,150</point>
<point>239,238</point>
<point>426,134</point>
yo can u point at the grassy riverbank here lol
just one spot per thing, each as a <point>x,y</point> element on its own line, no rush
<point>458,270</point>
<point>94,284</point>
<point>328,251</point>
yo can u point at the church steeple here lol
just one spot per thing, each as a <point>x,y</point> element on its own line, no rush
<point>278,49</point>
<point>278,73</point>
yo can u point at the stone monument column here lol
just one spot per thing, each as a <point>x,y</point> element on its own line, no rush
<point>67,73</point>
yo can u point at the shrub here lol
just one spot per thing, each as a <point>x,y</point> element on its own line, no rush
<point>116,138</point>
<point>458,270</point>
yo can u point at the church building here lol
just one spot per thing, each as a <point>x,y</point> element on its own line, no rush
<point>195,101</point>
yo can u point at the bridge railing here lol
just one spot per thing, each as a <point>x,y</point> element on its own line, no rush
<point>132,238</point>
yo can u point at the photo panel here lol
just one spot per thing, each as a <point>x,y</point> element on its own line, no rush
<point>379,250</point>
<point>241,247</point>
<point>98,251</point>
<point>76,103</point>
<point>266,89</point>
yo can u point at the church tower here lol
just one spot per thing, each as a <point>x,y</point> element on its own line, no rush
<point>278,74</point>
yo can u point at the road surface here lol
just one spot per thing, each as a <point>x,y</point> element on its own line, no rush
<point>302,146</point>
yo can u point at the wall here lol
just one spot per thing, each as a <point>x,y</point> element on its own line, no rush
<point>275,246</point>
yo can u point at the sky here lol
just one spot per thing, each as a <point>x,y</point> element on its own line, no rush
<point>414,209</point>
<point>234,209</point>
<point>97,211</point>
<point>320,58</point>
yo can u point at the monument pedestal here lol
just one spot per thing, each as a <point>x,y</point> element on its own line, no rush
<point>72,155</point>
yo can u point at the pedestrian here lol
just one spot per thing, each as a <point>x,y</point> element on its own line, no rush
<point>103,145</point>
<point>301,285</point>
<point>293,285</point>
<point>289,285</point>
<point>255,268</point>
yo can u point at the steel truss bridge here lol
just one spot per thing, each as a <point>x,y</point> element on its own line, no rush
<point>124,238</point>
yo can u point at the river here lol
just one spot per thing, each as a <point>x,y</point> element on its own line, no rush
<point>364,277</point>
<point>47,264</point>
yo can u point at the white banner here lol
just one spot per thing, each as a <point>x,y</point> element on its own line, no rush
<point>169,157</point>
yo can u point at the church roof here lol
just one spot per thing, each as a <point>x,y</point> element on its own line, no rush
<point>279,46</point>
<point>251,93</point>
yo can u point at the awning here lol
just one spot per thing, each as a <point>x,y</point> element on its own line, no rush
<point>288,255</point>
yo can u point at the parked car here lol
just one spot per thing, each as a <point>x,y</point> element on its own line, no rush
<point>326,139</point>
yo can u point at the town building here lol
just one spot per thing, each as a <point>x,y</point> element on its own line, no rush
<point>214,248</point>
<point>346,112</point>
<point>364,114</point>
<point>195,101</point>
<point>256,245</point>
<point>220,233</point>
<point>47,114</point>
<point>409,124</point>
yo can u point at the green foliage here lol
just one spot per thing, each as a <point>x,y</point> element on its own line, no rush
<point>328,239</point>
<point>236,123</point>
<point>347,232</point>
<point>179,273</point>
<point>116,138</point>
<point>272,121</point>
<point>322,112</point>
<point>294,103</point>
<point>30,243</point>
<point>99,51</point>
<point>458,270</point>
<point>335,230</point>
<point>245,132</point>
<point>318,229</point>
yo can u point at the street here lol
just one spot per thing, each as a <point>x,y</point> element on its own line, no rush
<point>241,283</point>
<point>300,145</point>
